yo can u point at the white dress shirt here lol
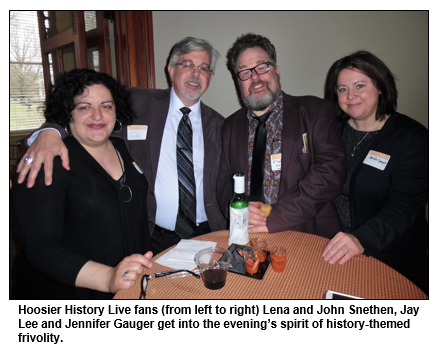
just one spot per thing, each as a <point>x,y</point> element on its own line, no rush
<point>166,182</point>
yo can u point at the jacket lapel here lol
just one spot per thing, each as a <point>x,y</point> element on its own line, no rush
<point>157,115</point>
<point>291,130</point>
<point>242,146</point>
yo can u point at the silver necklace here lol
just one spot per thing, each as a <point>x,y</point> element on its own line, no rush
<point>353,138</point>
<point>123,177</point>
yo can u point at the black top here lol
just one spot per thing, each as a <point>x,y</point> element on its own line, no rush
<point>388,207</point>
<point>356,143</point>
<point>81,216</point>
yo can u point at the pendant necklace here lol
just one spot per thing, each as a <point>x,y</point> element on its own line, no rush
<point>123,177</point>
<point>353,138</point>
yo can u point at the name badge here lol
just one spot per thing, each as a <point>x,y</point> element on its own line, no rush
<point>377,160</point>
<point>137,132</point>
<point>276,162</point>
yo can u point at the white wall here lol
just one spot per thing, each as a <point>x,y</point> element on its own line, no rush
<point>307,43</point>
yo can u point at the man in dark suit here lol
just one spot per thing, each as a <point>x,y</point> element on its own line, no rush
<point>152,142</point>
<point>289,148</point>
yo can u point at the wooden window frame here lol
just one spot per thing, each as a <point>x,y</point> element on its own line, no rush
<point>134,46</point>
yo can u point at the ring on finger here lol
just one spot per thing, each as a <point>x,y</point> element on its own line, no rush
<point>28,160</point>
<point>126,276</point>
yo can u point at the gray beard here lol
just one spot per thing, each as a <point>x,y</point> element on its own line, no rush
<point>192,95</point>
<point>261,103</point>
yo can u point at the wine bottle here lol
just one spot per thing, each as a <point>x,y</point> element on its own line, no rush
<point>239,212</point>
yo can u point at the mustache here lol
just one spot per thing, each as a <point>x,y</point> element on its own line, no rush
<point>259,82</point>
<point>194,80</point>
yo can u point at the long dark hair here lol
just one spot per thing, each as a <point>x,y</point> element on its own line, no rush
<point>372,67</point>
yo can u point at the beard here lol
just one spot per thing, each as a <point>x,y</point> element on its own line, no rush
<point>191,94</point>
<point>262,102</point>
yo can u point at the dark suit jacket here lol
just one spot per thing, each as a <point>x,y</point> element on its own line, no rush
<point>309,181</point>
<point>388,207</point>
<point>151,108</point>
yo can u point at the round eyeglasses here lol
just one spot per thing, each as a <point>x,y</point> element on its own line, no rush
<point>260,69</point>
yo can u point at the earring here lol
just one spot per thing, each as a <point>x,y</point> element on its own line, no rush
<point>121,126</point>
<point>68,131</point>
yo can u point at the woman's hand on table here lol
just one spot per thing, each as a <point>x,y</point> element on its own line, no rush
<point>342,247</point>
<point>131,266</point>
<point>100,277</point>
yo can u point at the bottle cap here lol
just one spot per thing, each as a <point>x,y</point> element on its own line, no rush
<point>239,183</point>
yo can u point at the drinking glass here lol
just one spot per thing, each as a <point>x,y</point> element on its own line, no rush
<point>278,258</point>
<point>251,260</point>
<point>213,264</point>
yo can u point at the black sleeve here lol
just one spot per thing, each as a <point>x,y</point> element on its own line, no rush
<point>406,200</point>
<point>40,214</point>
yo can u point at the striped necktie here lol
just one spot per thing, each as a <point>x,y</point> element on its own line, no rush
<point>186,217</point>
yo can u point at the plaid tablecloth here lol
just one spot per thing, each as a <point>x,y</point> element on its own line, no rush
<point>306,276</point>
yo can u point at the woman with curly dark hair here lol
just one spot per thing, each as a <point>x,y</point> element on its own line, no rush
<point>86,235</point>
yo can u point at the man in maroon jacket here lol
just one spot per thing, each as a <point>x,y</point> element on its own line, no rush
<point>288,147</point>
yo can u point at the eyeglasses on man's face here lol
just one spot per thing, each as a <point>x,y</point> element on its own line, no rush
<point>190,67</point>
<point>260,69</point>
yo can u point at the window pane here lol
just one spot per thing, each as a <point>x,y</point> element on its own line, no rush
<point>57,21</point>
<point>90,20</point>
<point>68,58</point>
<point>93,56</point>
<point>26,86</point>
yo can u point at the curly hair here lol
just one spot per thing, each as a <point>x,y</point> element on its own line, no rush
<point>60,101</point>
<point>372,67</point>
<point>247,41</point>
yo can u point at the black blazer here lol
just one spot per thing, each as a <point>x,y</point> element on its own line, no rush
<point>388,206</point>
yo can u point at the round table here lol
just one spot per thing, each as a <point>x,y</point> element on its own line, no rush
<point>307,276</point>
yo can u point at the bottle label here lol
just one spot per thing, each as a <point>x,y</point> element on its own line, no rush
<point>238,225</point>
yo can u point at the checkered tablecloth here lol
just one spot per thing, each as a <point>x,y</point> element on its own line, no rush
<point>306,276</point>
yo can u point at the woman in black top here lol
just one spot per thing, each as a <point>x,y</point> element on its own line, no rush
<point>86,235</point>
<point>383,202</point>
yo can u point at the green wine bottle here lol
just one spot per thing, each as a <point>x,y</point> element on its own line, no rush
<point>239,212</point>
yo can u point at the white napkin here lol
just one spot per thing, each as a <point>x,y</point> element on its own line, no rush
<point>182,256</point>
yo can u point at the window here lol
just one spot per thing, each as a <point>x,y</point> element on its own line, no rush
<point>45,44</point>
<point>26,85</point>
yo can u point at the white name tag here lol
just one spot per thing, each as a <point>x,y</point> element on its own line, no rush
<point>276,162</point>
<point>377,160</point>
<point>137,132</point>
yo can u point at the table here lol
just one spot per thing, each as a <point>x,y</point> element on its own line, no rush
<point>306,276</point>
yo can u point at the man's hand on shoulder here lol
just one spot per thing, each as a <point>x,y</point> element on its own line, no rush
<point>43,150</point>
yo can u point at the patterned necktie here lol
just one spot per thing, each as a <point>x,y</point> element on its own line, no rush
<point>186,217</point>
<point>258,157</point>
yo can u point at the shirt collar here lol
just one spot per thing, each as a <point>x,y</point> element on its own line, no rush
<point>175,104</point>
